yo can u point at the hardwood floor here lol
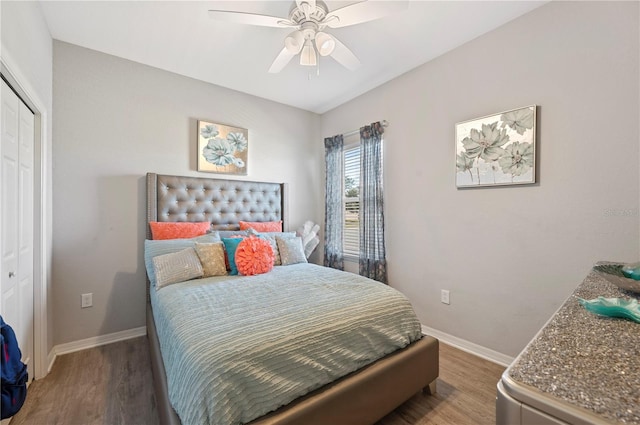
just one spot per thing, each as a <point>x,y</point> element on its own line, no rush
<point>112,384</point>
<point>465,395</point>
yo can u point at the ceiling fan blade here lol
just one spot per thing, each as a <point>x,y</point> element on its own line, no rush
<point>250,18</point>
<point>363,12</point>
<point>281,61</point>
<point>344,56</point>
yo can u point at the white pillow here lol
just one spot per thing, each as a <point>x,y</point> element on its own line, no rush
<point>160,247</point>
<point>291,250</point>
<point>177,267</point>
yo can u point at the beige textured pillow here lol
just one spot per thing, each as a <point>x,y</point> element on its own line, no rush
<point>176,267</point>
<point>291,250</point>
<point>271,237</point>
<point>212,258</point>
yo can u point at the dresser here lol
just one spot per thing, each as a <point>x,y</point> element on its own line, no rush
<point>579,369</point>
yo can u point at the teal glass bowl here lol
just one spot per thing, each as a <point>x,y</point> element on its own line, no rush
<point>613,307</point>
<point>613,273</point>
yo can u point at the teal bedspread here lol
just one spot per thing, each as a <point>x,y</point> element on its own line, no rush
<point>236,348</point>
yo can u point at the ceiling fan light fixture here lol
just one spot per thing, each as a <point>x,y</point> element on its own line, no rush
<point>325,43</point>
<point>308,56</point>
<point>294,42</point>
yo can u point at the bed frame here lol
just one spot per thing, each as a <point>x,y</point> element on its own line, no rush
<point>362,397</point>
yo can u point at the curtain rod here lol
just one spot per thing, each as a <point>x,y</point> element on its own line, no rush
<point>384,123</point>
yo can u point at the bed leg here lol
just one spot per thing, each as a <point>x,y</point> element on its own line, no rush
<point>430,389</point>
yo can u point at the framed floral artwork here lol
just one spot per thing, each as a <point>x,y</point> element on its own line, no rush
<point>498,149</point>
<point>222,149</point>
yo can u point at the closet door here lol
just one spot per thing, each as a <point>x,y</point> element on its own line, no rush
<point>16,217</point>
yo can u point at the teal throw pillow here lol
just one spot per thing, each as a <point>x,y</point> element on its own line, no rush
<point>230,245</point>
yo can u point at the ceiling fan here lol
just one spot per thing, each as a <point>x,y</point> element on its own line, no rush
<point>310,18</point>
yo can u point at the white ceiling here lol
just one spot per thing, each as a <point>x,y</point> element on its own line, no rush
<point>179,36</point>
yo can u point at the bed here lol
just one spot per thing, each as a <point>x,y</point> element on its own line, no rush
<point>362,396</point>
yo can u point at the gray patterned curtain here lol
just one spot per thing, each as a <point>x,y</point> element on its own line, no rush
<point>372,261</point>
<point>334,215</point>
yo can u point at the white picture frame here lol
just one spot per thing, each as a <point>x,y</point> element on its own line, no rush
<point>222,149</point>
<point>497,149</point>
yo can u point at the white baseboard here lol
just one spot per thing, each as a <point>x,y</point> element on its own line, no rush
<point>469,347</point>
<point>51,358</point>
<point>95,341</point>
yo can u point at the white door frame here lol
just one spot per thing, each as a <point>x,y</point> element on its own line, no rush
<point>42,213</point>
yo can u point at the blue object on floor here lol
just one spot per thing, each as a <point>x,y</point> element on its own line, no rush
<point>13,373</point>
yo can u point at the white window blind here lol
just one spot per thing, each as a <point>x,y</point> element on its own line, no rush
<point>351,201</point>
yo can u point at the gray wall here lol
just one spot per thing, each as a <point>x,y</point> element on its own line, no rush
<point>510,256</point>
<point>27,50</point>
<point>116,120</point>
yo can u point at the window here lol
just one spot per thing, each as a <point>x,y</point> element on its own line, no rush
<point>351,163</point>
<point>351,201</point>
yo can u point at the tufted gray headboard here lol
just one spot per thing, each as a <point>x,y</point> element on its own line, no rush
<point>222,202</point>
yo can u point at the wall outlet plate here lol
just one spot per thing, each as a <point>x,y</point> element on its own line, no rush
<point>87,300</point>
<point>444,296</point>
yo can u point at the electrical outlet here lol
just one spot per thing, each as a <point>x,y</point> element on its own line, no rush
<point>87,300</point>
<point>444,296</point>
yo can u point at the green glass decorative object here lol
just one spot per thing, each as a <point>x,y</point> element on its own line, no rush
<point>613,307</point>
<point>632,271</point>
<point>613,273</point>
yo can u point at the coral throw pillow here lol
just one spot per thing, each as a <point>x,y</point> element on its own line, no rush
<point>254,256</point>
<point>262,226</point>
<point>178,230</point>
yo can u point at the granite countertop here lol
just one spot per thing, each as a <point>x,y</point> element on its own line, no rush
<point>587,360</point>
